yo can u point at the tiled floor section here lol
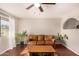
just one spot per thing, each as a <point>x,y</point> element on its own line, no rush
<point>23,51</point>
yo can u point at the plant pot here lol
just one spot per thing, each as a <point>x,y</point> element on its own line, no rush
<point>22,43</point>
<point>58,42</point>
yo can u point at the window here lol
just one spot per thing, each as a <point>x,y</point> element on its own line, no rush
<point>4,26</point>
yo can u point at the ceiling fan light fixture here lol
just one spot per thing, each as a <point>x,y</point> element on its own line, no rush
<point>37,5</point>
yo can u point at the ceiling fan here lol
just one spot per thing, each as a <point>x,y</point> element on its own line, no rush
<point>38,5</point>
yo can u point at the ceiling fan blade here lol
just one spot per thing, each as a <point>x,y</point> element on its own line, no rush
<point>30,6</point>
<point>41,9</point>
<point>49,3</point>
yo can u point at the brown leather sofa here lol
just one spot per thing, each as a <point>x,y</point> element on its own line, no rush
<point>41,39</point>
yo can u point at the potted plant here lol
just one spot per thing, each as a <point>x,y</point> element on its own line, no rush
<point>60,38</point>
<point>20,37</point>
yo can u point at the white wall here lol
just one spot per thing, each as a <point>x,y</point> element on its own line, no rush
<point>40,26</point>
<point>16,25</point>
<point>73,34</point>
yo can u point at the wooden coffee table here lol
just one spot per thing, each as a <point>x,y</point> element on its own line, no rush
<point>41,50</point>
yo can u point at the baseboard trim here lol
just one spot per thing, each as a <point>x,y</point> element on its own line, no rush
<point>71,49</point>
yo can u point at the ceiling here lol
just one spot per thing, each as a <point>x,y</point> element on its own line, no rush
<point>58,10</point>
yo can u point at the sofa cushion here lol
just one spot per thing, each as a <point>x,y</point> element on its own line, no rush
<point>49,43</point>
<point>48,37</point>
<point>33,37</point>
<point>40,42</point>
<point>40,37</point>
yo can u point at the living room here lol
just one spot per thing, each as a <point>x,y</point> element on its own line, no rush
<point>56,18</point>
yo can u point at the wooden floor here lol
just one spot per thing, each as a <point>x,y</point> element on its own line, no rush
<point>63,51</point>
<point>21,51</point>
